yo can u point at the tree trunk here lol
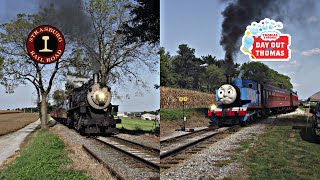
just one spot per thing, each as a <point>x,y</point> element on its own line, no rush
<point>38,101</point>
<point>44,110</point>
<point>103,73</point>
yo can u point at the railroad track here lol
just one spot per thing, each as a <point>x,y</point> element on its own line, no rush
<point>181,148</point>
<point>142,159</point>
<point>183,135</point>
<point>142,153</point>
<point>116,174</point>
<point>177,149</point>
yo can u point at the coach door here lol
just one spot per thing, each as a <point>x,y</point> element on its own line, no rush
<point>291,100</point>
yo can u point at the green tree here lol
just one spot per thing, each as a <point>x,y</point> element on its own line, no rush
<point>213,78</point>
<point>58,97</point>
<point>144,26</point>
<point>110,55</point>
<point>186,68</point>
<point>166,78</point>
<point>80,64</point>
<point>262,73</point>
<point>256,71</point>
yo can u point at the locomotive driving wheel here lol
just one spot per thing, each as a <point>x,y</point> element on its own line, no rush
<point>77,122</point>
<point>69,122</point>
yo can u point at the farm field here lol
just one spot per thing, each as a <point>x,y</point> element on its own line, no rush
<point>136,124</point>
<point>10,122</point>
<point>287,150</point>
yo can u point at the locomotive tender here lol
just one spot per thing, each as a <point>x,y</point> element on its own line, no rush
<point>243,101</point>
<point>88,109</point>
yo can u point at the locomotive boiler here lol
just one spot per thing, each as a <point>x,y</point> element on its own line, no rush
<point>88,109</point>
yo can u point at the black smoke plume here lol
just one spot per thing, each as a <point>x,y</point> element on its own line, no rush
<point>68,16</point>
<point>237,16</point>
<point>240,13</point>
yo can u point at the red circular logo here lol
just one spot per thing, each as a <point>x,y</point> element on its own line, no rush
<point>45,44</point>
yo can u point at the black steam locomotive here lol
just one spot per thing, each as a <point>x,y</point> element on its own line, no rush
<point>88,109</point>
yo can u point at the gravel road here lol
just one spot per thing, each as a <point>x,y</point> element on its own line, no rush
<point>10,143</point>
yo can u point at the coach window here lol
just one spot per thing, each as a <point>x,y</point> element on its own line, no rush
<point>250,85</point>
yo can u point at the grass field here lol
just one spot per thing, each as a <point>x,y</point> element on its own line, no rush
<point>43,158</point>
<point>286,151</point>
<point>14,121</point>
<point>136,124</point>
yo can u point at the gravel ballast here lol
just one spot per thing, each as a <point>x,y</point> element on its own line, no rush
<point>218,160</point>
<point>207,163</point>
<point>126,167</point>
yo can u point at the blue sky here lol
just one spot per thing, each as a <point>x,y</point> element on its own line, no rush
<point>25,95</point>
<point>198,24</point>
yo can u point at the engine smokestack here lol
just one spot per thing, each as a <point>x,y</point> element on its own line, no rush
<point>95,78</point>
<point>228,76</point>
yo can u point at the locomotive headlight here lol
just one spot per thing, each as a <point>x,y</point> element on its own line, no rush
<point>213,107</point>
<point>101,97</point>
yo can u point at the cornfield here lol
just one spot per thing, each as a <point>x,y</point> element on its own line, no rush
<point>169,98</point>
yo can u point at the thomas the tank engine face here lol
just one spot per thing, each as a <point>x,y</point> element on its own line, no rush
<point>227,94</point>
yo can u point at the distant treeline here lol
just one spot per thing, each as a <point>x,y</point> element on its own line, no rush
<point>206,73</point>
<point>28,109</point>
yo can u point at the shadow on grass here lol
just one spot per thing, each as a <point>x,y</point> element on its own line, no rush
<point>301,124</point>
<point>307,134</point>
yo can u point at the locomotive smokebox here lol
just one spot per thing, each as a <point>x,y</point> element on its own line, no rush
<point>95,78</point>
<point>228,79</point>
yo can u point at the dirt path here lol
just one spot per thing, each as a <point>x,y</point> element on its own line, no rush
<point>10,143</point>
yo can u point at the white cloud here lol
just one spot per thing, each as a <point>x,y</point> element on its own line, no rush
<point>290,73</point>
<point>311,52</point>
<point>290,64</point>
<point>294,63</point>
<point>312,19</point>
<point>295,85</point>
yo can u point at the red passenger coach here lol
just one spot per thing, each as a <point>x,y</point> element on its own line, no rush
<point>53,114</point>
<point>276,97</point>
